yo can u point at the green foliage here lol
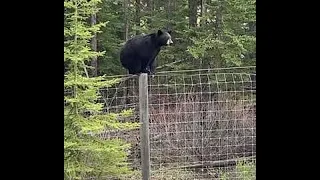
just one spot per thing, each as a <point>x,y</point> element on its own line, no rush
<point>111,37</point>
<point>224,35</point>
<point>244,171</point>
<point>225,41</point>
<point>85,154</point>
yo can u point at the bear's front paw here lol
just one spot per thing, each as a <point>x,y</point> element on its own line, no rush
<point>146,71</point>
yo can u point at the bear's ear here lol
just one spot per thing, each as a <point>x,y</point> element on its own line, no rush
<point>159,32</point>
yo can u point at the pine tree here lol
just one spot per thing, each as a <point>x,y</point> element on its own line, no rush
<point>85,154</point>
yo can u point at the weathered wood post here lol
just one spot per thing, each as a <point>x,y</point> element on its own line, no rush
<point>144,130</point>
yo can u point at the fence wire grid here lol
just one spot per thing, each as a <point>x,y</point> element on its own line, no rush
<point>202,123</point>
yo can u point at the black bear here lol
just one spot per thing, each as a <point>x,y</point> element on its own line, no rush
<point>139,53</point>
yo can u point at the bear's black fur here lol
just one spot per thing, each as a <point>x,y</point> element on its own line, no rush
<point>139,53</point>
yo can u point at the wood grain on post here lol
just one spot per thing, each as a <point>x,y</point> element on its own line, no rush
<point>144,129</point>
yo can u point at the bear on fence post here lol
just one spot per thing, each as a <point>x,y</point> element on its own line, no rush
<point>139,53</point>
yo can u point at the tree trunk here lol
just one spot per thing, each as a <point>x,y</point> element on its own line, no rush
<point>218,23</point>
<point>137,16</point>
<point>126,19</point>
<point>149,11</point>
<point>192,13</point>
<point>94,62</point>
<point>169,14</point>
<point>203,11</point>
<point>126,34</point>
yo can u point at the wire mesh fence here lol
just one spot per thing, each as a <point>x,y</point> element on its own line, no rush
<point>202,123</point>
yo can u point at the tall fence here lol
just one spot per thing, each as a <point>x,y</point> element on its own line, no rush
<point>201,124</point>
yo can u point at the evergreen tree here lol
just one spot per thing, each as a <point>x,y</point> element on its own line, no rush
<point>85,154</point>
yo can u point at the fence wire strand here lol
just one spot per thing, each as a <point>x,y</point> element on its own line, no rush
<point>202,122</point>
